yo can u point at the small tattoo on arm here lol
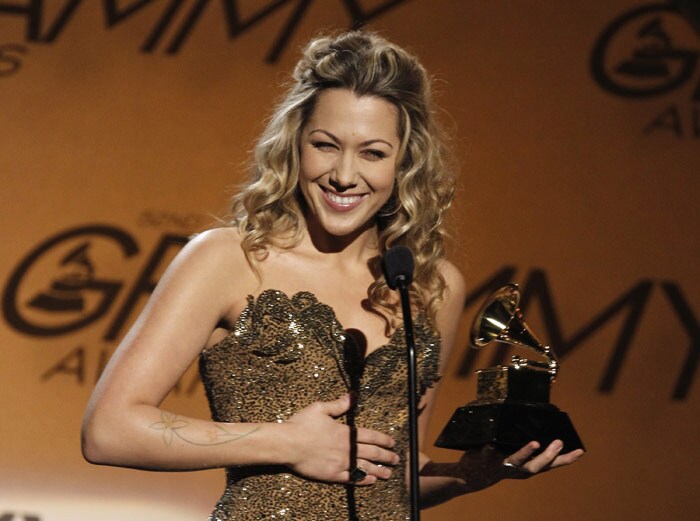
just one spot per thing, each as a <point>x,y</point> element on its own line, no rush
<point>172,425</point>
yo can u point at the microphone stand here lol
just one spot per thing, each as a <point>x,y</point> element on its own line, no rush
<point>412,394</point>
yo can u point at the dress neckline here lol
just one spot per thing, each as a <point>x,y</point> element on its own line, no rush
<point>254,300</point>
<point>304,314</point>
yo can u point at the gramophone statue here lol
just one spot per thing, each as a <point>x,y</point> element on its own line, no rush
<point>512,406</point>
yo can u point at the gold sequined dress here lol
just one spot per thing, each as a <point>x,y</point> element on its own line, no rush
<point>285,353</point>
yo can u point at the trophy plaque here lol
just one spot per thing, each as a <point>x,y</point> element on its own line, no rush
<point>512,406</point>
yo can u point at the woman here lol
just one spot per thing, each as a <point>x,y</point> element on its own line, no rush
<point>299,338</point>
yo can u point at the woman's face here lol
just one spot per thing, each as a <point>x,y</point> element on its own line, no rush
<point>349,148</point>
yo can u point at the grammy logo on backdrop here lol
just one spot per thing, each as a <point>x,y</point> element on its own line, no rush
<point>512,407</point>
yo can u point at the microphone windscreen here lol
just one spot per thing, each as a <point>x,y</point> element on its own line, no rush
<point>397,262</point>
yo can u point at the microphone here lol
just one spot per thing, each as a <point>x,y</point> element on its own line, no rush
<point>397,264</point>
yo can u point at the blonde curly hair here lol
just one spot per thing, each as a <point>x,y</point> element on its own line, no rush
<point>267,211</point>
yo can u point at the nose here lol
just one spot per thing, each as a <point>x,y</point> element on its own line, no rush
<point>344,174</point>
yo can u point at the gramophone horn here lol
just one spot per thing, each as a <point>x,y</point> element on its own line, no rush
<point>500,320</point>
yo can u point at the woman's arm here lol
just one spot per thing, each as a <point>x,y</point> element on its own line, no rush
<point>124,425</point>
<point>479,468</point>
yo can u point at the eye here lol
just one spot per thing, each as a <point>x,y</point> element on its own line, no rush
<point>323,145</point>
<point>372,154</point>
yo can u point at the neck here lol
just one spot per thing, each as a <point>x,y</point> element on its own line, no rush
<point>362,243</point>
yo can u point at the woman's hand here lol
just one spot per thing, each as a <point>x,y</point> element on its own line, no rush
<point>327,450</point>
<point>483,467</point>
<point>522,465</point>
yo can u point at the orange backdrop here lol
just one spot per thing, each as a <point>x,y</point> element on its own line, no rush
<point>126,125</point>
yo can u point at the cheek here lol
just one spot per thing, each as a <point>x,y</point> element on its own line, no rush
<point>311,165</point>
<point>385,180</point>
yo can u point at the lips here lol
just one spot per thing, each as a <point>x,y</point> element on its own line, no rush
<point>342,202</point>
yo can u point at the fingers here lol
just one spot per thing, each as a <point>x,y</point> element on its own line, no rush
<point>342,405</point>
<point>520,458</point>
<point>550,458</point>
<point>347,477</point>
<point>337,407</point>
<point>371,437</point>
<point>544,460</point>
<point>373,472</point>
<point>522,463</point>
<point>373,455</point>
<point>568,458</point>
<point>374,469</point>
<point>331,451</point>
<point>376,454</point>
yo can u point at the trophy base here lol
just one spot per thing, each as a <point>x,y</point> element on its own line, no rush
<point>509,426</point>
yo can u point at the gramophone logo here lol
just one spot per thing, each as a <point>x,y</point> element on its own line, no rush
<point>56,288</point>
<point>66,292</point>
<point>650,52</point>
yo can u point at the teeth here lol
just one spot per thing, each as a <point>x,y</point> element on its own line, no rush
<point>345,200</point>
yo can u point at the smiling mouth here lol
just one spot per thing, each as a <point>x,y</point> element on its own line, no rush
<point>342,203</point>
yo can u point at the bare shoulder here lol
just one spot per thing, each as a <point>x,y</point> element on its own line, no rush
<point>215,248</point>
<point>451,309</point>
<point>217,243</point>
<point>214,261</point>
<point>456,285</point>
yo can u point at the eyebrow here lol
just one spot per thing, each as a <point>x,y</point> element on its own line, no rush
<point>364,143</point>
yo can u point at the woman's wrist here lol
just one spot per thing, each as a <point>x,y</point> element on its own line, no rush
<point>278,443</point>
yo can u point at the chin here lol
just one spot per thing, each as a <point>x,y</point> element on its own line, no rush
<point>342,231</point>
<point>345,228</point>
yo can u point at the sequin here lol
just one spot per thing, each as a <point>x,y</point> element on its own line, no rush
<point>284,354</point>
